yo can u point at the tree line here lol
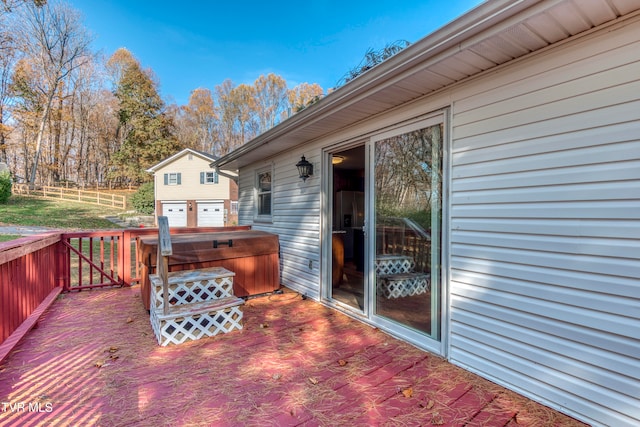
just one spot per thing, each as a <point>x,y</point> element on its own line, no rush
<point>70,114</point>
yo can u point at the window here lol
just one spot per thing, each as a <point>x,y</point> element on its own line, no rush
<point>264,194</point>
<point>173,178</point>
<point>208,177</point>
<point>234,207</point>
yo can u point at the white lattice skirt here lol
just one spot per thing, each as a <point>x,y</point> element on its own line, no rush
<point>195,321</point>
<point>403,285</point>
<point>191,286</point>
<point>393,264</point>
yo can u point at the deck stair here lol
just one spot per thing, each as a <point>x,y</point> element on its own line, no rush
<point>190,304</point>
<point>396,277</point>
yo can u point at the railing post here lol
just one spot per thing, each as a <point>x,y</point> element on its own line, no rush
<point>162,259</point>
<point>125,261</point>
<point>63,266</point>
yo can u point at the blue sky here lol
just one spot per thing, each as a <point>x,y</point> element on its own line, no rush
<point>193,44</point>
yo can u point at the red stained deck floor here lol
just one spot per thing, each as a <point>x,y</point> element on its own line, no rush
<point>94,361</point>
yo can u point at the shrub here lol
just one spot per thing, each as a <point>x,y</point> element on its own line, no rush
<point>143,200</point>
<point>5,186</point>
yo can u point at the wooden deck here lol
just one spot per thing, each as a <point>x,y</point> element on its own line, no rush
<point>94,361</point>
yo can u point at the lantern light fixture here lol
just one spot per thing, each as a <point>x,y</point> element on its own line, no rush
<point>305,169</point>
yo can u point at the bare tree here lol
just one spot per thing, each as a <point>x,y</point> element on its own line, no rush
<point>270,100</point>
<point>7,59</point>
<point>228,111</point>
<point>197,121</point>
<point>302,96</point>
<point>55,41</point>
<point>8,6</point>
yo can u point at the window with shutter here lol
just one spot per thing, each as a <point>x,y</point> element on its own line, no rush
<point>208,178</point>
<point>173,178</point>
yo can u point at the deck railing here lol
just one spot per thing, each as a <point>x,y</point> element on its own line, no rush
<point>29,272</point>
<point>33,269</point>
<point>402,236</point>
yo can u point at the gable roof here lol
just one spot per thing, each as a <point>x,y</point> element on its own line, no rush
<point>494,33</point>
<point>204,156</point>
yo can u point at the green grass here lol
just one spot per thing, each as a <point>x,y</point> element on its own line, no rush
<point>29,211</point>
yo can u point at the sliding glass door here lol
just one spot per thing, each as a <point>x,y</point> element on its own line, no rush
<point>407,192</point>
<point>383,246</point>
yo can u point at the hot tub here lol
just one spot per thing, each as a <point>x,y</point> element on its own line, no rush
<point>252,255</point>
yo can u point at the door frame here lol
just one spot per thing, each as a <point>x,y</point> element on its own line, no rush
<point>326,230</point>
<point>368,316</point>
<point>414,337</point>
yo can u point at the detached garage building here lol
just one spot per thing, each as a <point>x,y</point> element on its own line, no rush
<point>191,194</point>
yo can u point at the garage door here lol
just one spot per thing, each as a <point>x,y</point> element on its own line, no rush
<point>176,213</point>
<point>211,214</point>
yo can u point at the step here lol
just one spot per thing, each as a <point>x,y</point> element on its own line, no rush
<point>192,286</point>
<point>193,321</point>
<point>403,284</point>
<point>199,274</point>
<point>193,309</point>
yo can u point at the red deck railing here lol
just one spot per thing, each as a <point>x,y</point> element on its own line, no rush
<point>33,270</point>
<point>29,269</point>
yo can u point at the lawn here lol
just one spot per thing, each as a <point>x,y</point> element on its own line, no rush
<point>29,211</point>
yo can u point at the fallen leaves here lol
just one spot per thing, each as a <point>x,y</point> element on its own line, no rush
<point>407,392</point>
<point>313,380</point>
<point>112,356</point>
<point>342,362</point>
<point>129,319</point>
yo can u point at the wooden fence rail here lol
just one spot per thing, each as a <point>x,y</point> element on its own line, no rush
<point>72,194</point>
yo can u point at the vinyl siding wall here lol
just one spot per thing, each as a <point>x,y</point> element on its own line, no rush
<point>545,227</point>
<point>295,218</point>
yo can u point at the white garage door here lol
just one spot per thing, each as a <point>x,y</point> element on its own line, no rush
<point>211,214</point>
<point>176,213</point>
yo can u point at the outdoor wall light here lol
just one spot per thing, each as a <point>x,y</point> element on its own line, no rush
<point>305,169</point>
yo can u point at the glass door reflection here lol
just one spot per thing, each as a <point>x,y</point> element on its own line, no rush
<point>408,206</point>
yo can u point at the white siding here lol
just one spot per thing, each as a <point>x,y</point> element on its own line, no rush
<point>190,168</point>
<point>295,218</point>
<point>545,222</point>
